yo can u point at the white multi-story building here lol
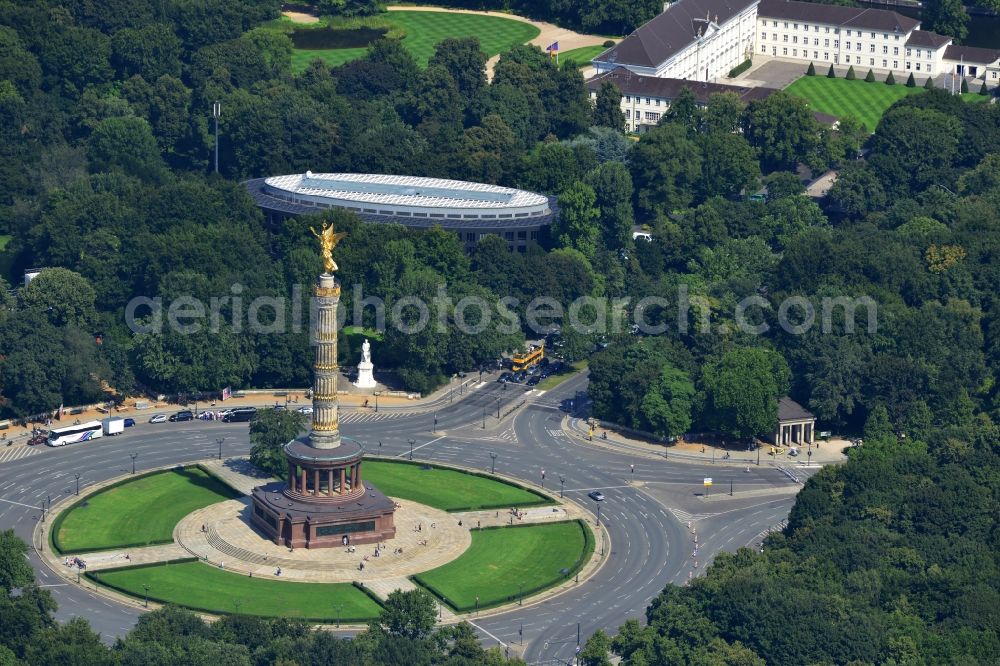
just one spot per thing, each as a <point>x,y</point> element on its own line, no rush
<point>646,98</point>
<point>702,40</point>
<point>697,40</point>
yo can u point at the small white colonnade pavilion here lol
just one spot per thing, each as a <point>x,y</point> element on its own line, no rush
<point>796,424</point>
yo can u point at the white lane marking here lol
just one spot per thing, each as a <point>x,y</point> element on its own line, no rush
<point>487,633</point>
<point>406,453</point>
<point>30,506</point>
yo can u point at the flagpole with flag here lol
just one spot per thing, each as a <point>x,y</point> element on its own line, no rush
<point>553,48</point>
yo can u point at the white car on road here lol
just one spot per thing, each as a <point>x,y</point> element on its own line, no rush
<point>158,418</point>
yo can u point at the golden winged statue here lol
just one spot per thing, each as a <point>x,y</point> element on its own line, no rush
<point>328,240</point>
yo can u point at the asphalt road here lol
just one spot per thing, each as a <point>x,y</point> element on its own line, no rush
<point>646,510</point>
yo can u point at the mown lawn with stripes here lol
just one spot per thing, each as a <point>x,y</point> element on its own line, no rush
<point>205,587</point>
<point>583,55</point>
<point>423,30</point>
<point>840,97</point>
<point>502,564</point>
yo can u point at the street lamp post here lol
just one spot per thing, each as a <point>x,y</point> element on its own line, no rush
<point>562,482</point>
<point>77,476</point>
<point>411,449</point>
<point>216,114</point>
<point>435,428</point>
<point>758,454</point>
<point>219,441</point>
<point>498,408</point>
<point>598,514</point>
<point>493,462</point>
<point>380,447</point>
<point>133,456</point>
<point>632,473</point>
<point>145,596</point>
<point>376,402</point>
<point>730,487</point>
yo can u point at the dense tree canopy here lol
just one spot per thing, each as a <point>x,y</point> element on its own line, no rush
<point>877,309</point>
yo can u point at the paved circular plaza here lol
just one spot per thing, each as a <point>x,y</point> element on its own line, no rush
<point>425,538</point>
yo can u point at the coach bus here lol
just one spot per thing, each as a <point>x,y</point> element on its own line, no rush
<point>81,432</point>
<point>528,359</point>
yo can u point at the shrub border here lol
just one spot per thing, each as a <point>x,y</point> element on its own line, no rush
<point>57,523</point>
<point>544,500</point>
<point>95,577</point>
<point>585,555</point>
<point>740,68</point>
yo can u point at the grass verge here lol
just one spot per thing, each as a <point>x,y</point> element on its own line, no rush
<point>204,587</point>
<point>447,489</point>
<point>553,381</point>
<point>135,512</point>
<point>504,564</point>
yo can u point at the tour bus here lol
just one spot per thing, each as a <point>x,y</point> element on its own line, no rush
<point>82,432</point>
<point>522,361</point>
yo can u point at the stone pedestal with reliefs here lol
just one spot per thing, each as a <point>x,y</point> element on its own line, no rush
<point>326,502</point>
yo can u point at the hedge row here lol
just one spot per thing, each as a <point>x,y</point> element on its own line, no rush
<point>740,68</point>
<point>236,491</point>
<point>588,550</point>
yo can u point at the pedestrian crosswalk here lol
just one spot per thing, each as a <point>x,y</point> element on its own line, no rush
<point>12,453</point>
<point>685,517</point>
<point>369,417</point>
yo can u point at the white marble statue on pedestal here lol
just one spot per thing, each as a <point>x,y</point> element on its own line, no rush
<point>366,378</point>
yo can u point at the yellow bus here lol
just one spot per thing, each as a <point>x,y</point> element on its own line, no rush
<point>529,358</point>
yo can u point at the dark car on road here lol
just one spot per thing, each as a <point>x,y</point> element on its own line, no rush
<point>505,377</point>
<point>534,380</point>
<point>186,415</point>
<point>240,415</point>
<point>129,422</point>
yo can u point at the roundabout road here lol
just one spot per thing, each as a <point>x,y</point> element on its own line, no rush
<point>645,511</point>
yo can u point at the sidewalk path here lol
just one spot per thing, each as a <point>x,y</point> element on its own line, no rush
<point>697,452</point>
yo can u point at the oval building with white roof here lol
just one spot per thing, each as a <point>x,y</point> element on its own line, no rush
<point>470,210</point>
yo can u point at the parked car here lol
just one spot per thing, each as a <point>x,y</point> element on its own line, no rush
<point>158,418</point>
<point>129,422</point>
<point>505,377</point>
<point>40,437</point>
<point>240,415</point>
<point>596,495</point>
<point>185,415</point>
<point>534,380</point>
